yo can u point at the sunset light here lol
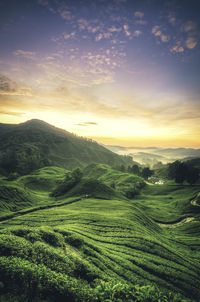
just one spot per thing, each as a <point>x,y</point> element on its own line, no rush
<point>120,71</point>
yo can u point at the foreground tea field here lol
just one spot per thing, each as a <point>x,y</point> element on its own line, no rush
<point>89,249</point>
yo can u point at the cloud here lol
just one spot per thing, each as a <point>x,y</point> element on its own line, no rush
<point>79,68</point>
<point>103,35</point>
<point>58,7</point>
<point>191,42</point>
<point>137,33</point>
<point>177,48</point>
<point>9,87</point>
<point>91,123</point>
<point>139,14</point>
<point>114,29</point>
<point>69,36</point>
<point>156,31</point>
<point>140,22</point>
<point>82,23</point>
<point>93,29</point>
<point>85,124</point>
<point>25,54</point>
<point>99,37</point>
<point>139,18</point>
<point>65,14</point>
<point>6,85</point>
<point>190,26</point>
<point>172,19</point>
<point>11,113</point>
<point>126,30</point>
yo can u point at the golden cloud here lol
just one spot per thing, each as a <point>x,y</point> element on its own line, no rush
<point>191,42</point>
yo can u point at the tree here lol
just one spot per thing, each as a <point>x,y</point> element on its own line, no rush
<point>180,173</point>
<point>135,169</point>
<point>122,168</point>
<point>146,173</point>
<point>71,179</point>
<point>172,168</point>
<point>192,175</point>
<point>13,176</point>
<point>77,174</point>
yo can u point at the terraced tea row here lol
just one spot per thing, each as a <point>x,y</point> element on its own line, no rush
<point>122,243</point>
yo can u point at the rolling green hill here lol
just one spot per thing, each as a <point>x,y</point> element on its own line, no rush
<point>95,244</point>
<point>34,144</point>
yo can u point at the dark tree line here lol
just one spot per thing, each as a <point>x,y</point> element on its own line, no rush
<point>181,172</point>
<point>135,169</point>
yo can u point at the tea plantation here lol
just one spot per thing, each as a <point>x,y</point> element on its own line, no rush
<point>111,237</point>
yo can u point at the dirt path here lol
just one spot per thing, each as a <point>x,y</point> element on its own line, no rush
<point>177,224</point>
<point>194,202</point>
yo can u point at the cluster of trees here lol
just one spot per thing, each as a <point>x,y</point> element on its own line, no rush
<point>23,159</point>
<point>71,179</point>
<point>181,172</point>
<point>135,169</point>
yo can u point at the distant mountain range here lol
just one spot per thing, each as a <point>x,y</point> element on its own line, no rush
<point>152,155</point>
<point>34,144</point>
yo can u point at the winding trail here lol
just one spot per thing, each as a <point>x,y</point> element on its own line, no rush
<point>177,224</point>
<point>193,202</point>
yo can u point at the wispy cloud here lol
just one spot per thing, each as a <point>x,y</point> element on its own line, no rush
<point>139,18</point>
<point>25,54</point>
<point>66,14</point>
<point>69,36</point>
<point>114,29</point>
<point>11,113</point>
<point>172,19</point>
<point>190,26</point>
<point>9,87</point>
<point>139,14</point>
<point>140,22</point>
<point>85,124</point>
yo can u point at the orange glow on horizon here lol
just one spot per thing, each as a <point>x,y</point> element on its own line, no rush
<point>148,142</point>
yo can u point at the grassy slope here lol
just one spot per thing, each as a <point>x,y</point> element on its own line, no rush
<point>30,190</point>
<point>123,183</point>
<point>102,239</point>
<point>167,203</point>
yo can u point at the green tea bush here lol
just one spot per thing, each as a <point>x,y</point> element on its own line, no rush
<point>52,238</point>
<point>123,292</point>
<point>13,245</point>
<point>74,241</point>
<point>22,277</point>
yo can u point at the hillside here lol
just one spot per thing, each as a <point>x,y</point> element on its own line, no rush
<point>35,144</point>
<point>96,244</point>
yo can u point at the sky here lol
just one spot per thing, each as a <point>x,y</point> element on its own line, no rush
<point>122,72</point>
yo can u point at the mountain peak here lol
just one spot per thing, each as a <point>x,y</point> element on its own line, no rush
<point>35,122</point>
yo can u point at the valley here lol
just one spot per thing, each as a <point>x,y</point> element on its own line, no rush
<point>97,245</point>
